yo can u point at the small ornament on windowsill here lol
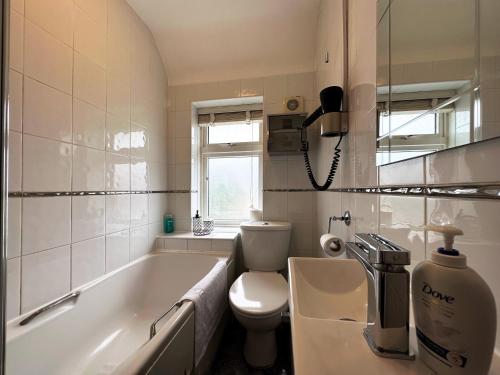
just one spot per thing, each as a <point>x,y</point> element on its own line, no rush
<point>202,227</point>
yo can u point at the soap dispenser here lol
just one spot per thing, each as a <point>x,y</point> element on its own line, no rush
<point>455,313</point>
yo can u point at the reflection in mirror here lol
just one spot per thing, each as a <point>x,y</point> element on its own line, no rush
<point>436,63</point>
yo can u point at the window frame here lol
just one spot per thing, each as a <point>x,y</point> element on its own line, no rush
<point>226,150</point>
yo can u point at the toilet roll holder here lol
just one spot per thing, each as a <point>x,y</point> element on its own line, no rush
<point>346,218</point>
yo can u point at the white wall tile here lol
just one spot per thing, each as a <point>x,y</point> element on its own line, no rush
<point>366,213</point>
<point>15,160</point>
<point>87,217</point>
<point>199,245</point>
<point>56,71</point>
<point>46,164</point>
<point>96,9</point>
<point>183,150</point>
<point>46,223</point>
<point>138,174</point>
<point>301,241</point>
<point>88,260</point>
<point>117,212</point>
<point>16,42</point>
<point>54,16</point>
<point>118,98</point>
<point>88,125</point>
<point>300,85</point>
<point>88,169</point>
<point>90,37</point>
<point>228,89</point>
<point>139,244</point>
<point>18,6</point>
<point>252,87</point>
<point>183,124</point>
<point>402,220</point>
<point>300,207</point>
<point>473,163</point>
<point>15,101</point>
<point>13,288</point>
<point>45,276</point>
<point>407,172</point>
<point>274,89</point>
<point>138,209</point>
<point>176,244</point>
<point>47,112</point>
<point>296,175</point>
<point>117,135</point>
<point>159,243</point>
<point>14,228</point>
<point>183,177</point>
<point>223,245</point>
<point>154,230</point>
<point>139,141</point>
<point>275,206</point>
<point>117,250</point>
<point>117,172</point>
<point>89,81</point>
<point>275,174</point>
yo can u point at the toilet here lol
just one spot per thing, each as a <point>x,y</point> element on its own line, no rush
<point>259,296</point>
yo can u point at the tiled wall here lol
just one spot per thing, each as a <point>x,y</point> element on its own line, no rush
<point>87,113</point>
<point>279,171</point>
<point>401,218</point>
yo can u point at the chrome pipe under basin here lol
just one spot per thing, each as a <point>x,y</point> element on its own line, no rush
<point>387,330</point>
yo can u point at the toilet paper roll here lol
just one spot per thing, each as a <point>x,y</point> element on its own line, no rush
<point>332,246</point>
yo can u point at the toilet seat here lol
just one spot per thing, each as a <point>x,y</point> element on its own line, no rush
<point>259,294</point>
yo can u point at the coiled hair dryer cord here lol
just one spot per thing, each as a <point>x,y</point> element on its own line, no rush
<point>333,168</point>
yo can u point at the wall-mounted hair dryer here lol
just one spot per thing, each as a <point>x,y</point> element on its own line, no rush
<point>333,124</point>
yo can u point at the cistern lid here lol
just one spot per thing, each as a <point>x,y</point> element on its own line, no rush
<point>265,225</point>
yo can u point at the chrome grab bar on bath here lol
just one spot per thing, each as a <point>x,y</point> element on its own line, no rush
<point>41,310</point>
<point>152,329</point>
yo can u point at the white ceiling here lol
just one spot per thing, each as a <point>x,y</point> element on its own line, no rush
<point>211,40</point>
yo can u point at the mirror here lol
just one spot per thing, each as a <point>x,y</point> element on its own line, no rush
<point>438,75</point>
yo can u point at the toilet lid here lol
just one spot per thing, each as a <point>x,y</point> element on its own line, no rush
<point>259,293</point>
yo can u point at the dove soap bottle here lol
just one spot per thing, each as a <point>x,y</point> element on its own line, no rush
<point>455,313</point>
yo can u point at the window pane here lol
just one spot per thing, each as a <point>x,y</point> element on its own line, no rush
<point>424,125</point>
<point>234,132</point>
<point>233,185</point>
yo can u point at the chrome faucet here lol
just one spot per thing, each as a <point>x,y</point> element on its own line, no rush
<point>387,330</point>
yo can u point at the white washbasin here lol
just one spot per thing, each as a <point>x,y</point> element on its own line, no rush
<point>326,294</point>
<point>329,288</point>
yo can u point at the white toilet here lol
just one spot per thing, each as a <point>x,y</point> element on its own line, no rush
<point>258,297</point>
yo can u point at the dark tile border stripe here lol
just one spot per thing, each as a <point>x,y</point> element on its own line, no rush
<point>40,194</point>
<point>491,191</point>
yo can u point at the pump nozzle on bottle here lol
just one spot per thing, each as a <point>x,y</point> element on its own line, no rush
<point>448,231</point>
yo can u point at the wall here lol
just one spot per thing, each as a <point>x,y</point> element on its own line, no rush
<point>282,174</point>
<point>401,218</point>
<point>87,113</point>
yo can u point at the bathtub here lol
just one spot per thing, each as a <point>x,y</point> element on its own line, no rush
<point>107,329</point>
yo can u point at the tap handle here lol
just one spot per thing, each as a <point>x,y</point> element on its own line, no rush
<point>382,251</point>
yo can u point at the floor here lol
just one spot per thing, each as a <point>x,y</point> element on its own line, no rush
<point>230,360</point>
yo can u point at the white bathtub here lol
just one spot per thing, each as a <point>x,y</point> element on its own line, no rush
<point>107,329</point>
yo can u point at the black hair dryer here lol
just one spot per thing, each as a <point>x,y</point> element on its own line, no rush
<point>333,124</point>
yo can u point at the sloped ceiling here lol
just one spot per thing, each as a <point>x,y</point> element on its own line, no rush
<point>211,40</point>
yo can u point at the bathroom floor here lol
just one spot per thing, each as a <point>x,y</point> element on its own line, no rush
<point>230,360</point>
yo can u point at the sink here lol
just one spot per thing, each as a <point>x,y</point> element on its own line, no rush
<point>334,289</point>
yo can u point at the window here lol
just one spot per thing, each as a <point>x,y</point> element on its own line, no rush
<point>231,153</point>
<point>413,128</point>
